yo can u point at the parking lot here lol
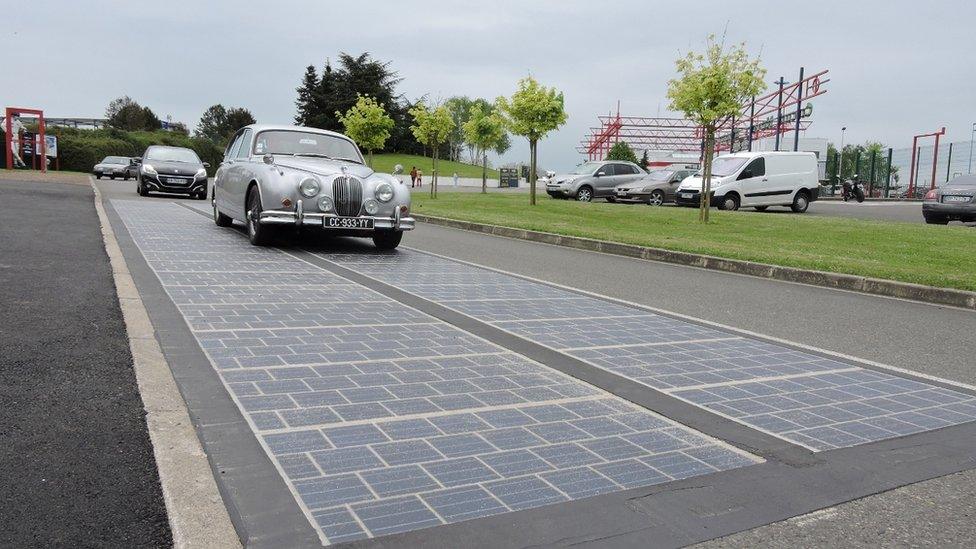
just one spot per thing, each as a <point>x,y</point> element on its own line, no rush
<point>391,393</point>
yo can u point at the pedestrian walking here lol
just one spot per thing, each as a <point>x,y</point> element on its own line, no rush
<point>413,177</point>
<point>420,178</point>
<point>455,180</point>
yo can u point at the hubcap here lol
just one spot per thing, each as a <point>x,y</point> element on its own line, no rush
<point>656,199</point>
<point>584,196</point>
<point>729,204</point>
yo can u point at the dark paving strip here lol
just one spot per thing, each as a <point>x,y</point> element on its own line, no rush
<point>263,510</point>
<point>76,462</point>
<point>751,440</point>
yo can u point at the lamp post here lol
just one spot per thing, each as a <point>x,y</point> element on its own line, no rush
<point>973,135</point>
<point>840,158</point>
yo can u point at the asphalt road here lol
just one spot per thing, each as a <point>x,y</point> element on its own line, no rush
<point>76,460</point>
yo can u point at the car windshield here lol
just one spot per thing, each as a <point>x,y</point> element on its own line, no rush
<point>586,168</point>
<point>725,165</point>
<point>167,154</point>
<point>963,181</point>
<point>115,160</point>
<point>660,175</point>
<point>306,144</point>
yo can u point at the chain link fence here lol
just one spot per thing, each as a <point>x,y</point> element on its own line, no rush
<point>886,173</point>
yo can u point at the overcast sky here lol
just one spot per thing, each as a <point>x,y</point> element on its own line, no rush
<point>896,67</point>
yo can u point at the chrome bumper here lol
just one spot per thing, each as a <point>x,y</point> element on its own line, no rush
<point>299,218</point>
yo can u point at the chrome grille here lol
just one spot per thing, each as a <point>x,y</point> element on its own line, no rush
<point>347,195</point>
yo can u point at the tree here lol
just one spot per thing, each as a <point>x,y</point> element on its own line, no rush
<point>532,112</point>
<point>431,127</point>
<point>484,130</point>
<point>237,118</point>
<point>117,105</point>
<point>710,88</point>
<point>622,151</point>
<point>126,114</point>
<point>213,123</point>
<point>644,162</point>
<point>367,124</point>
<point>459,107</point>
<point>307,93</point>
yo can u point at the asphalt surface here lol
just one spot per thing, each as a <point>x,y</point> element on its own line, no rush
<point>77,463</point>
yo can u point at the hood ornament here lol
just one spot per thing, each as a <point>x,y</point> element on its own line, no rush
<point>343,169</point>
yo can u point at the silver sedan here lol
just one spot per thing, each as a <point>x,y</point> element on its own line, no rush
<point>655,188</point>
<point>276,176</point>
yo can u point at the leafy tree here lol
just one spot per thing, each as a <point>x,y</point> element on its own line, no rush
<point>484,130</point>
<point>644,161</point>
<point>431,127</point>
<point>212,124</point>
<point>126,114</point>
<point>237,118</point>
<point>116,105</point>
<point>306,102</point>
<point>710,88</point>
<point>151,122</point>
<point>532,112</point>
<point>459,107</point>
<point>622,151</point>
<point>367,124</point>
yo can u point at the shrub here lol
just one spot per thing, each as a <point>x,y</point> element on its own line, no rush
<point>622,151</point>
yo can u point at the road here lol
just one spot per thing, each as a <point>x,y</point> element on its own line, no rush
<point>78,467</point>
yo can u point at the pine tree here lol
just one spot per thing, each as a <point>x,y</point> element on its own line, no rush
<point>325,101</point>
<point>306,102</point>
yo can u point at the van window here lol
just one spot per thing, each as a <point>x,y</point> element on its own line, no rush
<point>757,167</point>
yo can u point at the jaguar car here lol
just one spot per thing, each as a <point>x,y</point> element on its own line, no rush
<point>279,176</point>
<point>172,170</point>
<point>112,167</point>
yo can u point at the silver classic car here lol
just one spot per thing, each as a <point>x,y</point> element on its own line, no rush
<point>276,176</point>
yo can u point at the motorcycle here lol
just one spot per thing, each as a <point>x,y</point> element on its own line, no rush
<point>853,189</point>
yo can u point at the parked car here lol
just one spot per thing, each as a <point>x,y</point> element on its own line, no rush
<point>112,167</point>
<point>655,188</point>
<point>172,170</point>
<point>275,176</point>
<point>758,180</point>
<point>954,201</point>
<point>596,179</point>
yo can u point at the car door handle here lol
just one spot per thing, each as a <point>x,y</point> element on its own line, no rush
<point>764,179</point>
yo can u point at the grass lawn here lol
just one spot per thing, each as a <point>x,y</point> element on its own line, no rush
<point>923,254</point>
<point>385,162</point>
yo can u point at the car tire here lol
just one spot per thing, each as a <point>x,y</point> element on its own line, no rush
<point>800,202</point>
<point>220,219</point>
<point>584,194</point>
<point>730,202</point>
<point>761,208</point>
<point>387,240</point>
<point>257,234</point>
<point>611,199</point>
<point>125,178</point>
<point>98,176</point>
<point>937,220</point>
<point>656,198</point>
<point>141,189</point>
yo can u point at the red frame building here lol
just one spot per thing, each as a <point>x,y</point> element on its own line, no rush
<point>40,149</point>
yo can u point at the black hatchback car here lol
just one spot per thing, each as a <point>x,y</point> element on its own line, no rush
<point>954,201</point>
<point>172,170</point>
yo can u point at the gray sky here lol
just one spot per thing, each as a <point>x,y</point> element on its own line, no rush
<point>897,68</point>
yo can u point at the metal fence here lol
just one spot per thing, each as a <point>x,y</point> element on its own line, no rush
<point>887,173</point>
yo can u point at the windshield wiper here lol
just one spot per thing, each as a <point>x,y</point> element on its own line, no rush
<point>348,159</point>
<point>316,155</point>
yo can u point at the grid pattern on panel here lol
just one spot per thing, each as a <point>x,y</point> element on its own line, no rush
<point>383,419</point>
<point>805,398</point>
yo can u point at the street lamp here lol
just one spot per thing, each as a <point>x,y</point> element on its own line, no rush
<point>973,135</point>
<point>840,159</point>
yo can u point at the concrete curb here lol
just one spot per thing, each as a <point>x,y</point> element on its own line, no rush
<point>875,286</point>
<point>197,516</point>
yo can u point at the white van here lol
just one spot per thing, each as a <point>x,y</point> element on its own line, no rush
<point>757,180</point>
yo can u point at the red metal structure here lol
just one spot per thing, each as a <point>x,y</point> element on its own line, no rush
<point>40,149</point>
<point>772,114</point>
<point>935,159</point>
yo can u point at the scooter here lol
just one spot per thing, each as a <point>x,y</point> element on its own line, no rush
<point>853,189</point>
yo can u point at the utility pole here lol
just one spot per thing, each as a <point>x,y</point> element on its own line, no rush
<point>779,110</point>
<point>752,116</point>
<point>971,137</point>
<point>949,162</point>
<point>840,158</point>
<point>799,105</point>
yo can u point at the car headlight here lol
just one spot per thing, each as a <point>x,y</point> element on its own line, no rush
<point>325,204</point>
<point>384,192</point>
<point>202,172</point>
<point>371,206</point>
<point>147,168</point>
<point>309,187</point>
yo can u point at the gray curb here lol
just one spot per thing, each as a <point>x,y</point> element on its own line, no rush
<point>875,286</point>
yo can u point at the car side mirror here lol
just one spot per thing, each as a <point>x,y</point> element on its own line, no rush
<point>137,160</point>
<point>268,159</point>
<point>206,164</point>
<point>600,174</point>
<point>398,169</point>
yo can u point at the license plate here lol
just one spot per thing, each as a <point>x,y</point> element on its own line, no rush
<point>687,195</point>
<point>348,223</point>
<point>175,180</point>
<point>956,198</point>
<point>621,193</point>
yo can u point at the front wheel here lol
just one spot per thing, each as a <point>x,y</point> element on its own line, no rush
<point>141,189</point>
<point>584,194</point>
<point>98,176</point>
<point>220,219</point>
<point>387,240</point>
<point>258,234</point>
<point>936,221</point>
<point>730,203</point>
<point>859,195</point>
<point>656,198</point>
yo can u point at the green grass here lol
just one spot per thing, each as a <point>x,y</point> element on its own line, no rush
<point>932,255</point>
<point>385,163</point>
